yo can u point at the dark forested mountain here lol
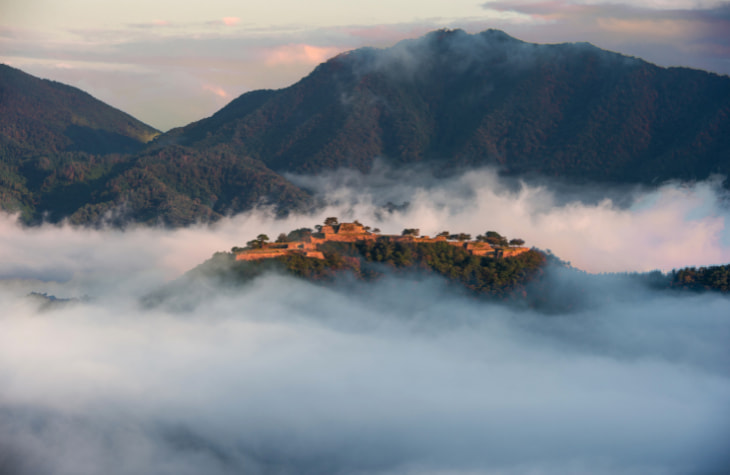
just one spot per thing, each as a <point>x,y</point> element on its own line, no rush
<point>174,186</point>
<point>450,100</point>
<point>458,100</point>
<point>38,115</point>
<point>64,154</point>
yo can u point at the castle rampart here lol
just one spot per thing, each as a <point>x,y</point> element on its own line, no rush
<point>354,232</point>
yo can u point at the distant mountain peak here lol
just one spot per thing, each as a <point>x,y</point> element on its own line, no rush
<point>458,99</point>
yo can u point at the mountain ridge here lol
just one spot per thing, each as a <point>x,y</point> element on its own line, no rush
<point>522,107</point>
<point>449,101</point>
<point>64,118</point>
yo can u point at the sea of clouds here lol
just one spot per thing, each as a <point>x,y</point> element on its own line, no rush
<point>401,376</point>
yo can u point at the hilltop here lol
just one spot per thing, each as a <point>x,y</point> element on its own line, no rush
<point>489,265</point>
<point>306,243</point>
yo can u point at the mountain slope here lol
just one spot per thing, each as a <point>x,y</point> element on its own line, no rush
<point>174,186</point>
<point>454,100</point>
<point>66,155</point>
<point>449,100</point>
<point>47,116</point>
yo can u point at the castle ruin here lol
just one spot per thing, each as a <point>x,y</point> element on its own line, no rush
<point>308,246</point>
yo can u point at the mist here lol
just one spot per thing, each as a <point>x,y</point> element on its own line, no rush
<point>597,228</point>
<point>290,377</point>
<point>400,376</point>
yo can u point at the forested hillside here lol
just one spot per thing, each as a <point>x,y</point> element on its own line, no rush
<point>66,155</point>
<point>448,100</point>
<point>453,100</point>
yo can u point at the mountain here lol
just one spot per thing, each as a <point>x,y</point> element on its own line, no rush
<point>38,115</point>
<point>454,100</point>
<point>174,186</point>
<point>51,132</point>
<point>66,155</point>
<point>448,100</point>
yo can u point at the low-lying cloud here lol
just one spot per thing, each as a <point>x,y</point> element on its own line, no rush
<point>400,376</point>
<point>595,228</point>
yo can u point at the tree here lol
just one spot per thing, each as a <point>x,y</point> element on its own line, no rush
<point>331,221</point>
<point>411,232</point>
<point>259,242</point>
<point>443,233</point>
<point>299,234</point>
<point>376,230</point>
<point>460,237</point>
<point>282,238</point>
<point>495,239</point>
<point>517,242</point>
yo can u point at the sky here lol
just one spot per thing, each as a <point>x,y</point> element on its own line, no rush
<point>169,63</point>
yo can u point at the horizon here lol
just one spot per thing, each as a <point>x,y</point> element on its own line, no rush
<point>169,66</point>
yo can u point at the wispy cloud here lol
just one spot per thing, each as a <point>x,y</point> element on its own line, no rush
<point>231,21</point>
<point>299,53</point>
<point>683,24</point>
<point>217,90</point>
<point>152,24</point>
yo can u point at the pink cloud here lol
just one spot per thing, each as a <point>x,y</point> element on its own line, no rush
<point>300,53</point>
<point>231,20</point>
<point>217,90</point>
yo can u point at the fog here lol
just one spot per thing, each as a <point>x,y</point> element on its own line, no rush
<point>400,376</point>
<point>596,228</point>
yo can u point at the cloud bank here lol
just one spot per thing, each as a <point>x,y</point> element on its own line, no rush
<point>401,376</point>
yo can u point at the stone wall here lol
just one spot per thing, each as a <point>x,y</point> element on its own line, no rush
<point>351,228</point>
<point>478,248</point>
<point>514,251</point>
<point>349,237</point>
<point>254,254</point>
<point>353,232</point>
